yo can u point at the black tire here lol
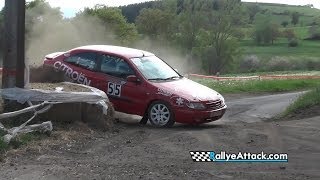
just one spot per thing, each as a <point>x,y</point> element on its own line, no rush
<point>160,114</point>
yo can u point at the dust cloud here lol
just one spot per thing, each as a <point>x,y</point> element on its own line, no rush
<point>181,62</point>
<point>48,34</point>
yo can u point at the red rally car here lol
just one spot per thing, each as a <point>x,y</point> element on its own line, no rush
<point>138,82</point>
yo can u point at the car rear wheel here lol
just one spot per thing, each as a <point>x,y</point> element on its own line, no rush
<point>160,114</point>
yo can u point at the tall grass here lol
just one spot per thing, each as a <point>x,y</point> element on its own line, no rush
<point>309,99</point>
<point>3,146</point>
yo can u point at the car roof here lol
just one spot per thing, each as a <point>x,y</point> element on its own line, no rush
<point>122,51</point>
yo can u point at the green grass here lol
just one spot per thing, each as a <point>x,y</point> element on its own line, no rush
<point>304,102</point>
<point>3,146</point>
<point>19,141</point>
<point>24,139</point>
<point>257,86</point>
<point>277,8</point>
<point>307,14</point>
<point>280,48</point>
<point>301,32</point>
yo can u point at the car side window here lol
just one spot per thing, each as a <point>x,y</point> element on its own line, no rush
<point>85,60</point>
<point>115,66</point>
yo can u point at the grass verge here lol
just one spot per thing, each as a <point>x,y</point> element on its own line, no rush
<point>307,105</point>
<point>3,146</point>
<point>257,86</point>
<point>19,141</point>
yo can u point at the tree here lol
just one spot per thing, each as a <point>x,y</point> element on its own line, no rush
<point>35,3</point>
<point>253,9</point>
<point>113,19</point>
<point>284,23</point>
<point>40,12</point>
<point>216,43</point>
<point>191,19</point>
<point>289,34</point>
<point>131,11</point>
<point>295,18</point>
<point>154,23</point>
<point>265,32</point>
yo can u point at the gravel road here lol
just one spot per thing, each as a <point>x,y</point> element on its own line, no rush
<point>143,152</point>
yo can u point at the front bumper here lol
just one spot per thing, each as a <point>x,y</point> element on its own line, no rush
<point>191,116</point>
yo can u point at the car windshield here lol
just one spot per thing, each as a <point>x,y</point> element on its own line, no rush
<point>154,68</point>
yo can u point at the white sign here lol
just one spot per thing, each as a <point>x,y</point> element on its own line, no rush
<point>114,89</point>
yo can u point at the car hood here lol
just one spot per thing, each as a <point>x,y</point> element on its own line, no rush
<point>188,89</point>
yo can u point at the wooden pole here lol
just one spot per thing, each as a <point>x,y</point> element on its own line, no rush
<point>14,57</point>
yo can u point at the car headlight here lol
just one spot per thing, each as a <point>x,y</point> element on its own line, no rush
<point>196,105</point>
<point>222,99</point>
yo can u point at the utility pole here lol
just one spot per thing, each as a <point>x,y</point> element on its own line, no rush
<point>14,55</point>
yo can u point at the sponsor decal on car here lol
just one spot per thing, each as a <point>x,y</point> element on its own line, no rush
<point>179,101</point>
<point>69,72</point>
<point>164,92</point>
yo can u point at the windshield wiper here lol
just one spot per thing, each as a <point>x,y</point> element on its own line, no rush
<point>173,77</point>
<point>164,79</point>
<point>157,79</point>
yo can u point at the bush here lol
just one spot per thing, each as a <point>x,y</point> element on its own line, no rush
<point>284,23</point>
<point>293,43</point>
<point>250,63</point>
<point>278,64</point>
<point>313,64</point>
<point>289,34</point>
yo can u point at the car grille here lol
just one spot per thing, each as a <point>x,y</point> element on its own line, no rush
<point>215,104</point>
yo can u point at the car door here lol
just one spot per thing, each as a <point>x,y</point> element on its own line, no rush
<point>80,67</point>
<point>127,97</point>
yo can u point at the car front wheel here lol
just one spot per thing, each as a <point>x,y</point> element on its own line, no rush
<point>160,114</point>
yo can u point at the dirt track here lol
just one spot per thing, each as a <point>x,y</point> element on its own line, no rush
<point>144,152</point>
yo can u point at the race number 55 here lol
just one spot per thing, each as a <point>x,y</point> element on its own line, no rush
<point>114,89</point>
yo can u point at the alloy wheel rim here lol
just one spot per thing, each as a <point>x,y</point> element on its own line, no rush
<point>160,114</point>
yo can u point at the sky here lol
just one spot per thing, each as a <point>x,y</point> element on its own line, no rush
<point>71,7</point>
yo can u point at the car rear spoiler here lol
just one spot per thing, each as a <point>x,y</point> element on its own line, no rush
<point>53,55</point>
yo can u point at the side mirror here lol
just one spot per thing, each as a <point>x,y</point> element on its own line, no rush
<point>133,78</point>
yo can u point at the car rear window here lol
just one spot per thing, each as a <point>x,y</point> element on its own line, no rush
<point>85,60</point>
